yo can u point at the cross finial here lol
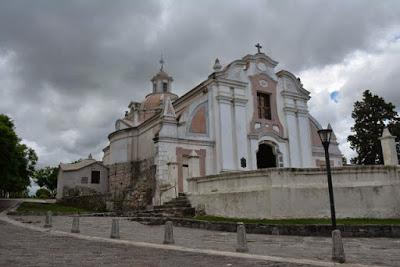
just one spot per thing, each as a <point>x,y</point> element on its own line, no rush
<point>258,47</point>
<point>162,62</point>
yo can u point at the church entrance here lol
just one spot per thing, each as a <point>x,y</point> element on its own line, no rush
<point>265,156</point>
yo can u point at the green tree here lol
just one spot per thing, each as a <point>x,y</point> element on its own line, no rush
<point>17,161</point>
<point>371,114</point>
<point>47,177</point>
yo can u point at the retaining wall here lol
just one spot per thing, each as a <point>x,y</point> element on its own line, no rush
<point>360,192</point>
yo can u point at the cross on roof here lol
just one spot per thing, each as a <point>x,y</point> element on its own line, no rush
<point>258,47</point>
<point>162,62</point>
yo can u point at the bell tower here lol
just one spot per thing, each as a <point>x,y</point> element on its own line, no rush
<point>162,81</point>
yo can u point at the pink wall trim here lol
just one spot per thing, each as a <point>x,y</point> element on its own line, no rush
<point>271,90</point>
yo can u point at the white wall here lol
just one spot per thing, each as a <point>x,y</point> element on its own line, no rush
<point>362,191</point>
<point>72,179</point>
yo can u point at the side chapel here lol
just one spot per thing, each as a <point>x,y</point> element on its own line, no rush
<point>244,116</point>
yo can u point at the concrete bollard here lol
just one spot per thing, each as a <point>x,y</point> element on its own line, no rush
<point>275,231</point>
<point>169,233</point>
<point>337,248</point>
<point>241,238</point>
<point>115,228</point>
<point>75,224</point>
<point>48,220</point>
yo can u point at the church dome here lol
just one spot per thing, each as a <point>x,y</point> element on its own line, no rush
<point>161,75</point>
<point>155,100</point>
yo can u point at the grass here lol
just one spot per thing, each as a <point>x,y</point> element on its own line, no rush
<point>29,207</point>
<point>348,221</point>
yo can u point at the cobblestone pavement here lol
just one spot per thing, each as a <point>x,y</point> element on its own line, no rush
<point>372,251</point>
<point>24,247</point>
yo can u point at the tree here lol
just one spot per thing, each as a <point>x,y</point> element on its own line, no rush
<point>17,161</point>
<point>370,116</point>
<point>47,177</point>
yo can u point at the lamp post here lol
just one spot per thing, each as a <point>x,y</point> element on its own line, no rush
<point>325,136</point>
<point>337,249</point>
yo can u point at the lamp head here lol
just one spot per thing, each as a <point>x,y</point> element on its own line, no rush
<point>325,136</point>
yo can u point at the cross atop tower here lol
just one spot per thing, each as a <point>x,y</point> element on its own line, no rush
<point>258,47</point>
<point>162,62</point>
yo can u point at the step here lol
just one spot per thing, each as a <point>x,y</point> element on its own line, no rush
<point>149,220</point>
<point>178,200</point>
<point>168,205</point>
<point>154,214</point>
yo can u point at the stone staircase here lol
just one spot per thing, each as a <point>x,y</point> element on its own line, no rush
<point>178,207</point>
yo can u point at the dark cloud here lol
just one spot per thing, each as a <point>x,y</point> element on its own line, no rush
<point>68,69</point>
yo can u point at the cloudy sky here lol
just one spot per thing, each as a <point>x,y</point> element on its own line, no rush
<point>68,69</point>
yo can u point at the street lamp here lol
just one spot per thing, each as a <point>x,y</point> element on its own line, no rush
<point>325,136</point>
<point>337,250</point>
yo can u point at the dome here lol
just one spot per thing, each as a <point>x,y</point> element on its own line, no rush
<point>162,75</point>
<point>155,100</point>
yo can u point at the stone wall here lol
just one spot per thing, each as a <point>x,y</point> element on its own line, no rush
<point>93,202</point>
<point>360,192</point>
<point>132,184</point>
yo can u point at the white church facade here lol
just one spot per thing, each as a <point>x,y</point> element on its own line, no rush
<point>244,116</point>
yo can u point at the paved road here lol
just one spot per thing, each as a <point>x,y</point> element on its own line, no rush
<point>373,251</point>
<point>23,247</point>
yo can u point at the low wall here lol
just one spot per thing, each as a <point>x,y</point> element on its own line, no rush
<point>360,192</point>
<point>94,202</point>
<point>392,231</point>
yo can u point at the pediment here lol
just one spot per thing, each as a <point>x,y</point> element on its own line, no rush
<point>292,85</point>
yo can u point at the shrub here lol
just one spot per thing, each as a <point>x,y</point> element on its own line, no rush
<point>43,193</point>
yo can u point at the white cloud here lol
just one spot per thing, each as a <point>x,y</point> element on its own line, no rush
<point>357,72</point>
<point>68,70</point>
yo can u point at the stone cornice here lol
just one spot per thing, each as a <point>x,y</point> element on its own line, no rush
<point>290,94</point>
<point>231,83</point>
<point>289,110</point>
<point>240,102</point>
<point>257,136</point>
<point>185,141</point>
<point>224,99</point>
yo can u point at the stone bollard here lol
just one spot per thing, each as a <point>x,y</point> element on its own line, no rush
<point>48,221</point>
<point>75,224</point>
<point>337,249</point>
<point>115,228</point>
<point>241,238</point>
<point>275,231</point>
<point>169,233</point>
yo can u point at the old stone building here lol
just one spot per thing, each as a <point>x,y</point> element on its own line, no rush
<point>86,176</point>
<point>244,116</point>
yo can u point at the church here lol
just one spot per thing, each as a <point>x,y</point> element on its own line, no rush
<point>245,116</point>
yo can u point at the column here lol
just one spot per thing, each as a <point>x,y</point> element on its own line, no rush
<point>241,132</point>
<point>305,139</point>
<point>294,150</point>
<point>226,131</point>
<point>389,151</point>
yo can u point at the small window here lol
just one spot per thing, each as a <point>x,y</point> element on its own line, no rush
<point>154,87</point>
<point>264,106</point>
<point>84,180</point>
<point>95,177</point>
<point>165,87</point>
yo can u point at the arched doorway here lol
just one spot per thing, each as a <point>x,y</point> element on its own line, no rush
<point>265,156</point>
